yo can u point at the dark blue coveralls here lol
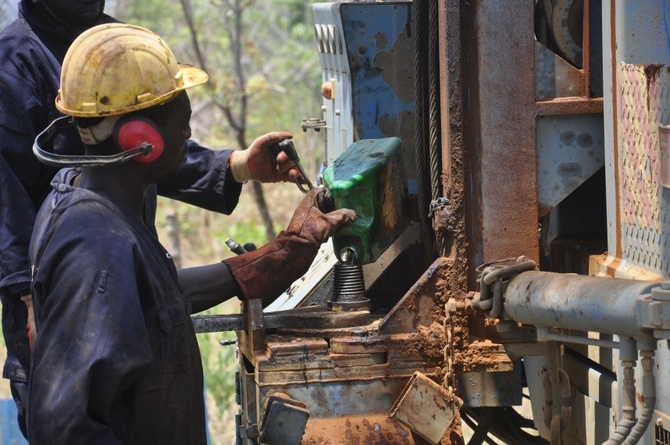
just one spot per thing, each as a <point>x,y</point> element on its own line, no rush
<point>32,50</point>
<point>116,359</point>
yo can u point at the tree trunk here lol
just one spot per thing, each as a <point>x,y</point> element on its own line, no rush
<point>238,124</point>
<point>259,197</point>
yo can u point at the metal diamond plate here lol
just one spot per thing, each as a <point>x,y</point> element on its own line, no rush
<point>644,104</point>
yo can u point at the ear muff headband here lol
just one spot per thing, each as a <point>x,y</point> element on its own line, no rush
<point>58,160</point>
<point>138,131</point>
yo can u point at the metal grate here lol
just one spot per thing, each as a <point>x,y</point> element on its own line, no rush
<point>661,435</point>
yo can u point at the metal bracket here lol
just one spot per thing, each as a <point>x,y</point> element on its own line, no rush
<point>311,317</point>
<point>314,123</point>
<point>426,408</point>
<point>284,421</point>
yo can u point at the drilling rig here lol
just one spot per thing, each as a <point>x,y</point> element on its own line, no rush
<point>508,277</point>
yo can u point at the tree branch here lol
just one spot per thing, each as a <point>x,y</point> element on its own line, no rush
<point>188,15</point>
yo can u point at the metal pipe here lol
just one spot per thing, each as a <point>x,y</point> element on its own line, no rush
<point>648,394</point>
<point>606,305</point>
<point>545,334</point>
<point>598,304</point>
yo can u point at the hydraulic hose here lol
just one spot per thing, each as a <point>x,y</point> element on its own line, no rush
<point>649,396</point>
<point>628,356</point>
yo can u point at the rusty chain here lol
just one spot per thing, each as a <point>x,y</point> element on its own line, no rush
<point>493,279</point>
<point>449,376</point>
<point>556,380</point>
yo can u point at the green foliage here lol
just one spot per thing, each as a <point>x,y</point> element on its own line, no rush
<point>220,364</point>
<point>242,232</point>
<point>278,59</point>
<point>158,15</point>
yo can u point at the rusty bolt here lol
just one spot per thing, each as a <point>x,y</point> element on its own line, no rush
<point>454,306</point>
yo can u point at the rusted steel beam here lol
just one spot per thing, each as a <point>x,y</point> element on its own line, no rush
<point>570,105</point>
<point>499,130</point>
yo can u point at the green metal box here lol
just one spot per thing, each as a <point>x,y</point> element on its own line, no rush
<point>369,179</point>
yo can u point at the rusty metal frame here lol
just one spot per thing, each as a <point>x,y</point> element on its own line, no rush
<point>348,378</point>
<point>499,125</point>
<point>499,130</point>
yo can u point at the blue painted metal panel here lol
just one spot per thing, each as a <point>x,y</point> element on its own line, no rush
<point>375,37</point>
<point>378,41</point>
<point>643,32</point>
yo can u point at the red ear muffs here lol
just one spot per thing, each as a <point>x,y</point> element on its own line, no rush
<point>135,131</point>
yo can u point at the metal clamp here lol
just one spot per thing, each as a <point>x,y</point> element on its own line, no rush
<point>314,123</point>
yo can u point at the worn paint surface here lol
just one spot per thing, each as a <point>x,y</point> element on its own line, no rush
<point>357,430</point>
<point>369,179</point>
<point>569,149</point>
<point>378,40</point>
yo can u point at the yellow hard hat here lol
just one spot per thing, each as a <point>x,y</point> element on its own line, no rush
<point>116,68</point>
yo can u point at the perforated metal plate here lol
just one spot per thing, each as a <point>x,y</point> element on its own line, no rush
<point>644,205</point>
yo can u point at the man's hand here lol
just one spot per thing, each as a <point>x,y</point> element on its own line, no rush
<point>258,163</point>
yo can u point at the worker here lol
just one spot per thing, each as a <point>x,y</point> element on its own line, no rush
<point>115,358</point>
<point>32,50</point>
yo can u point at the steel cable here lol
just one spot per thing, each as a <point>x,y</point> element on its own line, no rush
<point>434,136</point>
<point>420,12</point>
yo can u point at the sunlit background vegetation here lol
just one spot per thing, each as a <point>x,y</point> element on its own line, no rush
<point>264,76</point>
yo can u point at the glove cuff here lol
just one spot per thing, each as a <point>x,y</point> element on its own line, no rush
<point>268,271</point>
<point>239,166</point>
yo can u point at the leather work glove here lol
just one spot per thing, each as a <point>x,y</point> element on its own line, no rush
<point>268,271</point>
<point>259,163</point>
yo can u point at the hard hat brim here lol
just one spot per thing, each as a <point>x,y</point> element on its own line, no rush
<point>192,75</point>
